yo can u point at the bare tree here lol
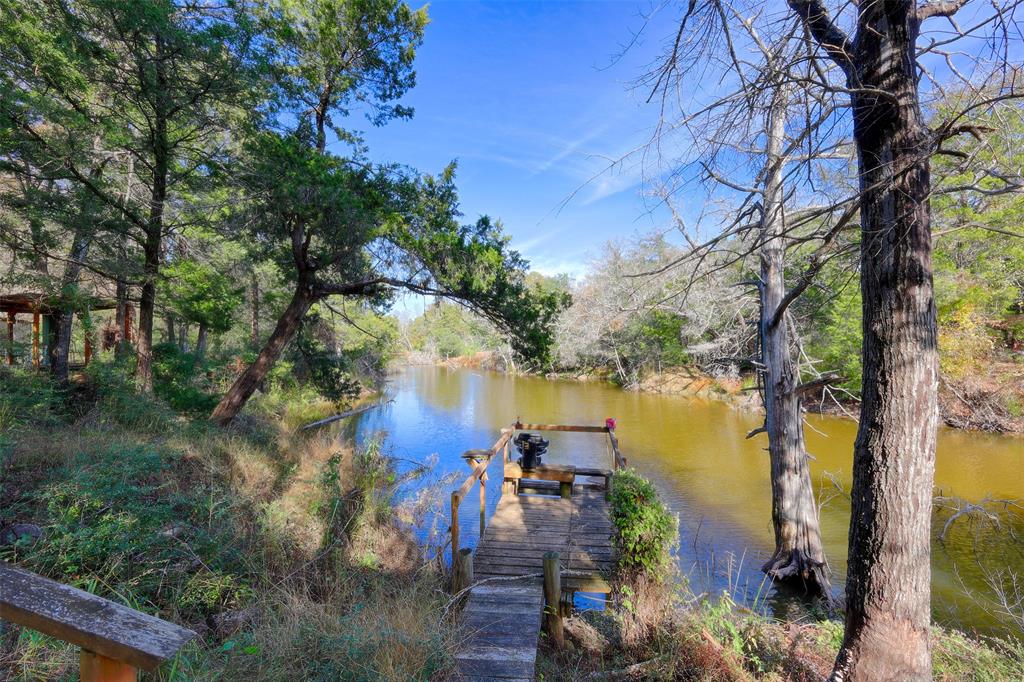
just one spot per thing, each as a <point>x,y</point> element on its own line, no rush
<point>762,140</point>
<point>605,325</point>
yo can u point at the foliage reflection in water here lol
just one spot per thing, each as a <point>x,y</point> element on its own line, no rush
<point>696,453</point>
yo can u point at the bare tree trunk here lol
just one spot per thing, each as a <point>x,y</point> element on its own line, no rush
<point>201,343</point>
<point>120,312</point>
<point>183,326</point>
<point>255,294</point>
<point>147,306</point>
<point>169,335</point>
<point>62,322</point>
<point>799,557</point>
<point>887,590</point>
<point>248,381</point>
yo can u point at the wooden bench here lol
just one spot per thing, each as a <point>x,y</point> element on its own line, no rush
<point>115,640</point>
<point>564,476</point>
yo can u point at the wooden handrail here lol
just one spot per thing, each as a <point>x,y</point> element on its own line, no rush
<point>618,461</point>
<point>478,474</point>
<point>115,640</point>
<point>519,426</point>
<point>479,469</point>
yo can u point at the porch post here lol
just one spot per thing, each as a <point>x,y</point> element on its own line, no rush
<point>35,339</point>
<point>10,336</point>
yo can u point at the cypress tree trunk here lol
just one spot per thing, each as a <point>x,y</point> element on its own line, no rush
<point>887,589</point>
<point>799,557</point>
<point>201,343</point>
<point>248,381</point>
<point>61,348</point>
<point>120,312</point>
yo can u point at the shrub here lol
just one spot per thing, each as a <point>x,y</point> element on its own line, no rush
<point>27,396</point>
<point>180,378</point>
<point>645,530</point>
<point>117,400</point>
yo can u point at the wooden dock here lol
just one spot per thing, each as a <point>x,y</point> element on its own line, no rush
<point>563,510</point>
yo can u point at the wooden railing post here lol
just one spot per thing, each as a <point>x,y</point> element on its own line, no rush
<point>455,527</point>
<point>463,574</point>
<point>483,502</point>
<point>565,490</point>
<point>96,668</point>
<point>552,599</point>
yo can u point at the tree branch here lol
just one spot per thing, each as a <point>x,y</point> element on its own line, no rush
<point>825,32</point>
<point>944,8</point>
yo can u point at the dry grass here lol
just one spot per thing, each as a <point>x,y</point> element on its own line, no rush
<point>660,633</point>
<point>337,587</point>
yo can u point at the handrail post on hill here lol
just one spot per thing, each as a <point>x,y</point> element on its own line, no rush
<point>553,599</point>
<point>115,640</point>
<point>478,460</point>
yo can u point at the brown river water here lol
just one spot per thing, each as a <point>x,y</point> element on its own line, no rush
<point>696,453</point>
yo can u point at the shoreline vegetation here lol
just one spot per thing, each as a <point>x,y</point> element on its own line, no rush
<point>192,215</point>
<point>980,402</point>
<point>292,555</point>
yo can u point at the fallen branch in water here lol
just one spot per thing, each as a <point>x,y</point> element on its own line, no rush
<point>349,413</point>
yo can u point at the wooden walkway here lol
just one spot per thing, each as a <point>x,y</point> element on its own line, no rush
<point>502,618</point>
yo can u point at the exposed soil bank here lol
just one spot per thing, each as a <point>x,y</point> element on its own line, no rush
<point>990,399</point>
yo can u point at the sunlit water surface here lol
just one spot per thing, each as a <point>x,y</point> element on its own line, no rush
<point>696,453</point>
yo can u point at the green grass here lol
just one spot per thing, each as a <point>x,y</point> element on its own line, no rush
<point>158,510</point>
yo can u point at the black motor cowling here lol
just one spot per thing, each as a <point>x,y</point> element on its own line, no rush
<point>532,448</point>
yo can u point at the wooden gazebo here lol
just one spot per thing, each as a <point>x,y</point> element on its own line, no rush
<point>43,307</point>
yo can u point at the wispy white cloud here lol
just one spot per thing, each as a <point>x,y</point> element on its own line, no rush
<point>527,245</point>
<point>575,268</point>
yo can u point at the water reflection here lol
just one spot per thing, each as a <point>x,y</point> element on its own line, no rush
<point>697,454</point>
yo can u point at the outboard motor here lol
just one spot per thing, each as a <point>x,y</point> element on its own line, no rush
<point>532,448</point>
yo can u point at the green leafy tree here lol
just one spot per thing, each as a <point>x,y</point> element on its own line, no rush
<point>202,294</point>
<point>340,226</point>
<point>156,83</point>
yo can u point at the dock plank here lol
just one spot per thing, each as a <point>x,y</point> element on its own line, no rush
<point>501,620</point>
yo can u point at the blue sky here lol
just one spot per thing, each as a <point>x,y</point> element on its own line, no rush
<point>534,101</point>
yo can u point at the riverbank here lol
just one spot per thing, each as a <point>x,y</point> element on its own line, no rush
<point>290,555</point>
<point>656,628</point>
<point>293,557</point>
<point>667,633</point>
<point>989,398</point>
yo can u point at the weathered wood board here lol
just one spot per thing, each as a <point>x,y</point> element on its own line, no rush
<point>502,619</point>
<point>90,622</point>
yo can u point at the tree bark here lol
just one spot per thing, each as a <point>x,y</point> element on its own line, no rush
<point>799,557</point>
<point>255,298</point>
<point>154,224</point>
<point>61,348</point>
<point>169,335</point>
<point>201,343</point>
<point>147,301</point>
<point>247,382</point>
<point>889,574</point>
<point>120,312</point>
